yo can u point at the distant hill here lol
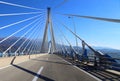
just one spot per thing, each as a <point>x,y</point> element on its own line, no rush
<point>4,45</point>
<point>112,52</point>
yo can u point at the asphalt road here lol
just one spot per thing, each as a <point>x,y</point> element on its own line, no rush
<point>45,68</point>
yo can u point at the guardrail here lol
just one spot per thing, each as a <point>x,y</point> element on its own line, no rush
<point>96,61</point>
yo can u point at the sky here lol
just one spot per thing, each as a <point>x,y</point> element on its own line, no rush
<point>94,32</point>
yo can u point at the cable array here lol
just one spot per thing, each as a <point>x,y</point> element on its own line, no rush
<point>17,5</point>
<point>29,34</point>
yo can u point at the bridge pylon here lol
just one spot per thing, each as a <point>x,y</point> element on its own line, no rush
<point>45,47</point>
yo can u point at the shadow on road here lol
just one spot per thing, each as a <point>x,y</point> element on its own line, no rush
<point>52,62</point>
<point>13,60</point>
<point>33,73</point>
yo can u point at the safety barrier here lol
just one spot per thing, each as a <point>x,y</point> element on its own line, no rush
<point>6,61</point>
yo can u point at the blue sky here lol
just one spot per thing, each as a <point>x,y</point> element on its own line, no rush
<point>94,32</point>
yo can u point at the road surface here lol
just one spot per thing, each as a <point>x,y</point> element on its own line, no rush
<point>45,68</point>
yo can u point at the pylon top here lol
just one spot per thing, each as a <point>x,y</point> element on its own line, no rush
<point>48,8</point>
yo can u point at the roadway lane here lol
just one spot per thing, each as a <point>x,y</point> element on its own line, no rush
<point>44,68</point>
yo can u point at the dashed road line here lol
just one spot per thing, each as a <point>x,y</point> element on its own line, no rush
<point>38,73</point>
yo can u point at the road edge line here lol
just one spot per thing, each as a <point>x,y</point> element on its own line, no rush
<point>83,71</point>
<point>11,65</point>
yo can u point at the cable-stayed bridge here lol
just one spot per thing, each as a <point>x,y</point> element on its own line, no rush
<point>30,50</point>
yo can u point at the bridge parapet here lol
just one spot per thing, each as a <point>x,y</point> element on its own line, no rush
<point>6,61</point>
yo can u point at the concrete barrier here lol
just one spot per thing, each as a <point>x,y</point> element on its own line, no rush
<point>6,61</point>
<point>20,59</point>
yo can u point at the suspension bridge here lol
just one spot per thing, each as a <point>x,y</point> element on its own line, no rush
<point>30,51</point>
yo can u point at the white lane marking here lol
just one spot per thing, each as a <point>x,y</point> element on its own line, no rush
<point>83,71</point>
<point>38,73</point>
<point>67,62</point>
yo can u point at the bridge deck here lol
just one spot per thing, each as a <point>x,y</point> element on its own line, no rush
<point>44,68</point>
